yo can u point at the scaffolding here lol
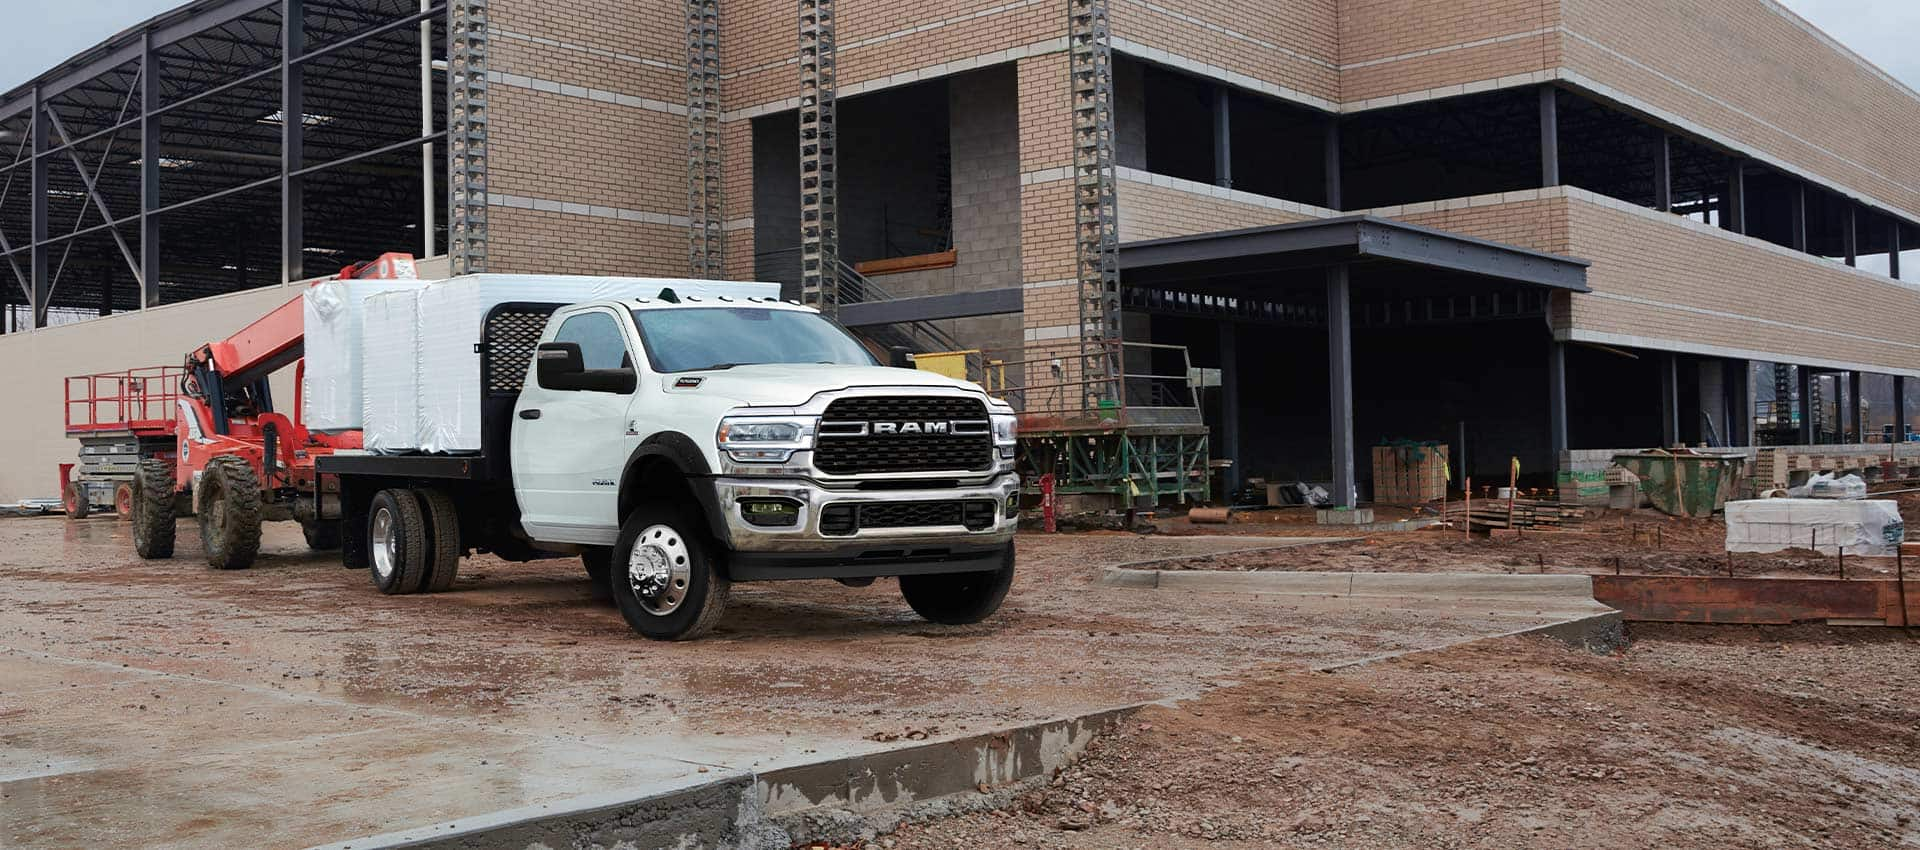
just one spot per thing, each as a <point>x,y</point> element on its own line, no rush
<point>819,184</point>
<point>467,136</point>
<point>706,230</point>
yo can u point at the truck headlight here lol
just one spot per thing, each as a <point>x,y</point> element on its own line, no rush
<point>1006,434</point>
<point>761,439</point>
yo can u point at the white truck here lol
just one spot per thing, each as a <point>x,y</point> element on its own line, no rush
<point>679,443</point>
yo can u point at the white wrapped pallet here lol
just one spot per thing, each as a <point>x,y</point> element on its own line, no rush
<point>1862,526</point>
<point>451,318</point>
<point>333,313</point>
<point>390,385</point>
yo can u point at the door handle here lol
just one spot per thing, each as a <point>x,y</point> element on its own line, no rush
<point>530,414</point>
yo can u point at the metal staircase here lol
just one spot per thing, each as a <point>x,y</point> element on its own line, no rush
<point>918,337</point>
<point>706,231</point>
<point>467,136</point>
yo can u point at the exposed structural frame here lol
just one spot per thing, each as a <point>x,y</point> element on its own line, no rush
<point>1095,212</point>
<point>467,136</point>
<point>706,230</point>
<point>819,180</point>
<point>142,102</point>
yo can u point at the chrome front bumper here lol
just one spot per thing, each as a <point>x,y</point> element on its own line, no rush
<point>805,535</point>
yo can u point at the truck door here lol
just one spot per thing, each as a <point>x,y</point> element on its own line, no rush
<point>569,446</point>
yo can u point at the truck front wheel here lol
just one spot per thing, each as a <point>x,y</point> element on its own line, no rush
<point>959,599</point>
<point>663,578</point>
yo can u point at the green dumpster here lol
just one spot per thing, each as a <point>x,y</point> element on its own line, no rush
<point>1685,483</point>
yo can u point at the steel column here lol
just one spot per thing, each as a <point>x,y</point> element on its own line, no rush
<point>819,167</point>
<point>1855,414</point>
<point>293,113</point>
<point>1899,408</point>
<point>42,290</point>
<point>1851,236</point>
<point>1669,399</point>
<point>1893,248</point>
<point>1230,403</point>
<point>1733,212</point>
<point>1663,173</point>
<point>1557,400</point>
<point>428,165</point>
<point>149,174</point>
<point>1222,137</point>
<point>1330,152</point>
<point>1738,379</point>
<point>1805,404</point>
<point>1549,136</point>
<point>1340,382</point>
<point>1797,220</point>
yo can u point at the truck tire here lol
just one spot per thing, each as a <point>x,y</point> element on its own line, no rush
<point>323,535</point>
<point>397,542</point>
<point>230,513</point>
<point>153,522</point>
<point>77,502</point>
<point>443,539</point>
<point>959,599</point>
<point>599,563</point>
<point>663,578</point>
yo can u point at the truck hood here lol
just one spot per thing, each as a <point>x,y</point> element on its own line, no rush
<point>791,385</point>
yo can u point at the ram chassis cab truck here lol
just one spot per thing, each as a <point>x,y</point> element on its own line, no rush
<point>679,445</point>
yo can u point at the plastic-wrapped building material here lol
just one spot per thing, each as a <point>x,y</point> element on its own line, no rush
<point>333,314</point>
<point>450,330</point>
<point>1861,526</point>
<point>390,385</point>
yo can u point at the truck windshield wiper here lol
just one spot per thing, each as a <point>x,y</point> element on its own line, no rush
<point>720,367</point>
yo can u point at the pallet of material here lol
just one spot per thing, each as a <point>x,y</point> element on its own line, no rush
<point>1525,513</point>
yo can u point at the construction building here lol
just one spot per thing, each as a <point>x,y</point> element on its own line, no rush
<point>1521,227</point>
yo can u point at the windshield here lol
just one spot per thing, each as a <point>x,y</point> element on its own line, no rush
<point>700,338</point>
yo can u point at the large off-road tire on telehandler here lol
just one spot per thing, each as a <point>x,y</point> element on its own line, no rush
<point>959,599</point>
<point>323,535</point>
<point>153,521</point>
<point>664,578</point>
<point>443,539</point>
<point>230,513</point>
<point>397,553</point>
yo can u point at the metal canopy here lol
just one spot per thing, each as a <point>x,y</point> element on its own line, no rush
<point>1350,239</point>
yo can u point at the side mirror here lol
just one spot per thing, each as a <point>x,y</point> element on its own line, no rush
<point>560,366</point>
<point>900,357</point>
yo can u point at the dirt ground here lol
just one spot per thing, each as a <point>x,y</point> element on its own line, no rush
<point>1693,737</point>
<point>1640,542</point>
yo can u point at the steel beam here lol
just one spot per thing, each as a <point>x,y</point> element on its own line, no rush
<point>429,166</point>
<point>1669,399</point>
<point>1557,400</point>
<point>1899,408</point>
<point>293,112</point>
<point>1804,404</point>
<point>1340,382</point>
<point>1737,378</point>
<point>1663,173</point>
<point>1330,153</point>
<point>1230,405</point>
<point>149,175</point>
<point>953,305</point>
<point>42,290</point>
<point>1222,137</point>
<point>1549,136</point>
<point>1893,248</point>
<point>93,189</point>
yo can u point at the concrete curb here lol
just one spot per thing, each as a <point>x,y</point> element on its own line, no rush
<point>742,810</point>
<point>1454,585</point>
<point>1600,634</point>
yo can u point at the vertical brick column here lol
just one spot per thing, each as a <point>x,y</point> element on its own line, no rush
<point>1046,220</point>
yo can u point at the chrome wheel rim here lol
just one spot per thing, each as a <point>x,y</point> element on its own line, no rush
<point>659,570</point>
<point>385,544</point>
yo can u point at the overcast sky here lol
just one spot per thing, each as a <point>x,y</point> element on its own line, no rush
<point>39,34</point>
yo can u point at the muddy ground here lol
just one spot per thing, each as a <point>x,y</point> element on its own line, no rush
<point>1694,737</point>
<point>1640,542</point>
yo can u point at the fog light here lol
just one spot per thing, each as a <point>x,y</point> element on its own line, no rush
<point>770,513</point>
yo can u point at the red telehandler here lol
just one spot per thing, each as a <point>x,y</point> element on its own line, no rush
<point>237,461</point>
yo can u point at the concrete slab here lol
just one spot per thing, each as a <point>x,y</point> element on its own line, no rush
<point>163,704</point>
